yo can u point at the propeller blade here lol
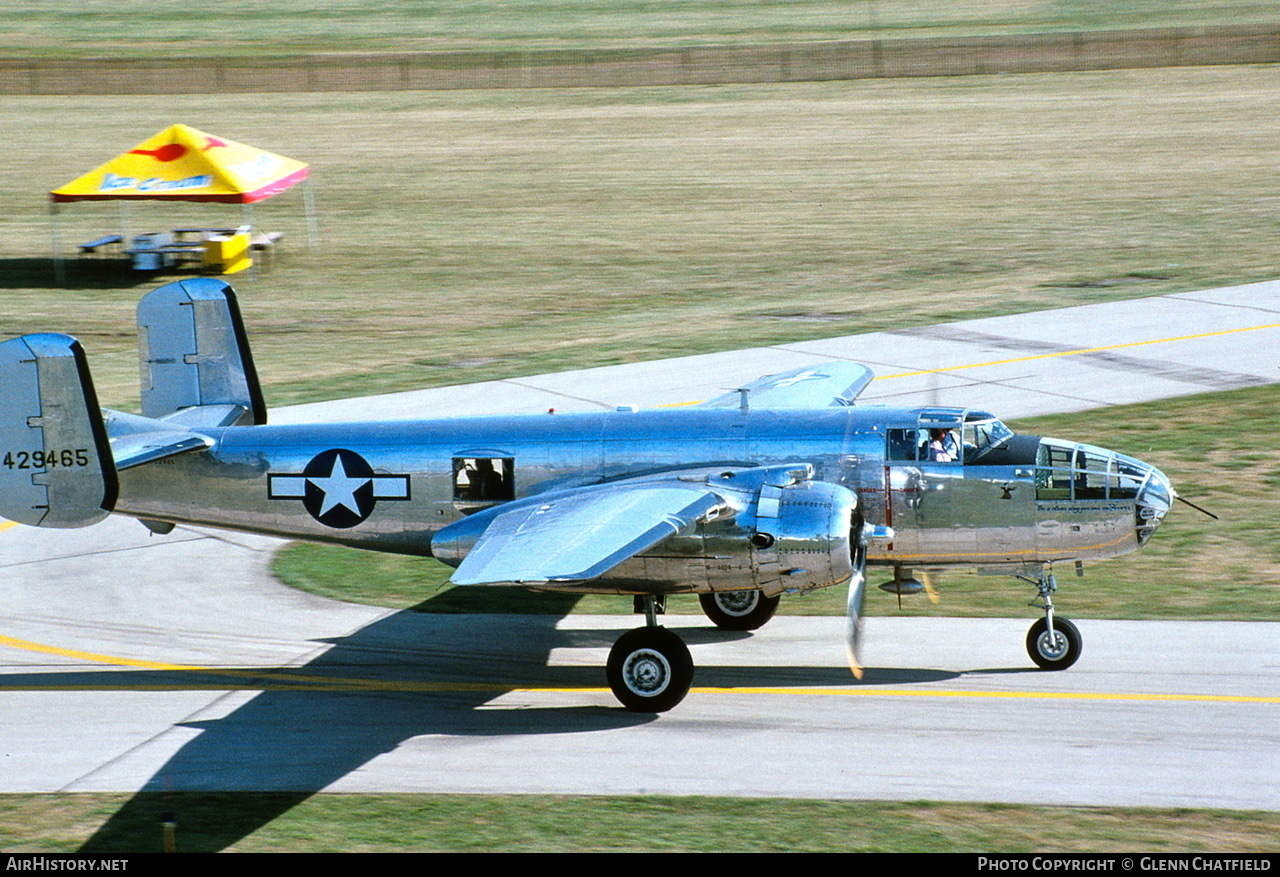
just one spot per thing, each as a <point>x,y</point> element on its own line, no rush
<point>853,623</point>
<point>927,578</point>
<point>1196,507</point>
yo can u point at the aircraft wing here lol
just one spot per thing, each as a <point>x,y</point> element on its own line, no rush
<point>574,535</point>
<point>831,384</point>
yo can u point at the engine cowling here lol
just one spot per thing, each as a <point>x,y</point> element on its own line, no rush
<point>782,532</point>
<point>808,543</point>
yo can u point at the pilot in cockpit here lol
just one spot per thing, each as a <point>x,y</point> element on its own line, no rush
<point>942,446</point>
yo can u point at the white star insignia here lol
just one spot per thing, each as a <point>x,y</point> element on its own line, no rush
<point>339,490</point>
<point>812,375</point>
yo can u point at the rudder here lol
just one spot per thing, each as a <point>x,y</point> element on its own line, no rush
<point>56,468</point>
<point>195,356</point>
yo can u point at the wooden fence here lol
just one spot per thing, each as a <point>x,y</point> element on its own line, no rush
<point>702,65</point>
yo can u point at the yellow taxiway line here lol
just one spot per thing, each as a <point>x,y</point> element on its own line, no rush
<point>267,680</point>
<point>1077,352</point>
<point>270,680</point>
<point>1081,351</point>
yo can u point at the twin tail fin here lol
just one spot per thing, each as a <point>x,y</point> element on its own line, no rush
<point>60,453</point>
<point>56,468</point>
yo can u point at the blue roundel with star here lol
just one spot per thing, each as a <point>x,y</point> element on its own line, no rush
<point>338,488</point>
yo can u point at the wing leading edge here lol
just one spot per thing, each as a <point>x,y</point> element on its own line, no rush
<point>574,535</point>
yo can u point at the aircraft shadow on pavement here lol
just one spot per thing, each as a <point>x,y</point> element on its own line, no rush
<point>407,675</point>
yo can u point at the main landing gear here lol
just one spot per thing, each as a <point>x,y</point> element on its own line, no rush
<point>650,669</point>
<point>1053,642</point>
<point>738,610</point>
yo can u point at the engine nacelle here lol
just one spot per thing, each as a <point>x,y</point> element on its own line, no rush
<point>803,537</point>
<point>786,533</point>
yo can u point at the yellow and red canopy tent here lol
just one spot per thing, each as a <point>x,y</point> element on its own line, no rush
<point>182,163</point>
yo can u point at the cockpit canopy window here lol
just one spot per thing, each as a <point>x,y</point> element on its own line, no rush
<point>948,439</point>
<point>936,445</point>
<point>981,436</point>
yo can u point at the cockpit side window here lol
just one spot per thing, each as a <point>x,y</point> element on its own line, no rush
<point>941,445</point>
<point>981,436</point>
<point>925,445</point>
<point>903,445</point>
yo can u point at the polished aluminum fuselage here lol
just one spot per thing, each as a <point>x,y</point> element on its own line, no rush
<point>941,514</point>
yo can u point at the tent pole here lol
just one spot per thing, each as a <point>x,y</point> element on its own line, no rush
<point>313,227</point>
<point>59,262</point>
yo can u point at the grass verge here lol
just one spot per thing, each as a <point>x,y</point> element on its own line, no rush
<point>249,822</point>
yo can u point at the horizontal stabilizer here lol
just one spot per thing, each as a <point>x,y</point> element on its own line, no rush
<point>136,440</point>
<point>55,463</point>
<point>830,384</point>
<point>575,535</point>
<point>195,356</point>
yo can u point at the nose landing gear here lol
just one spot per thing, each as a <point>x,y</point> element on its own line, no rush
<point>1053,642</point>
<point>1055,649</point>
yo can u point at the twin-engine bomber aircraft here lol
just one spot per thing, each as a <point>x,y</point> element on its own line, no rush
<point>780,487</point>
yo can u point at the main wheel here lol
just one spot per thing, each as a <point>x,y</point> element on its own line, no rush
<point>1057,652</point>
<point>650,669</point>
<point>738,610</point>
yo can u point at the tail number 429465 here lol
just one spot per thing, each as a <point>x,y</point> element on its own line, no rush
<point>46,459</point>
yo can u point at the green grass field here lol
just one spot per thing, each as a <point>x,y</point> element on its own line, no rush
<point>544,823</point>
<point>482,234</point>
<point>68,28</point>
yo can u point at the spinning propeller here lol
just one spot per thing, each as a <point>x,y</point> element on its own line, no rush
<point>853,610</point>
<point>927,578</point>
<point>853,621</point>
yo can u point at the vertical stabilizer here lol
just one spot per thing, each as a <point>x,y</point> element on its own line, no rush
<point>56,468</point>
<point>195,356</point>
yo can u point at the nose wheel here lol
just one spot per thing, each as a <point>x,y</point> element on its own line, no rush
<point>1053,642</point>
<point>1053,650</point>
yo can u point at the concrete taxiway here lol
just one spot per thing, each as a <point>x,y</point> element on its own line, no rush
<point>130,661</point>
<point>1022,365</point>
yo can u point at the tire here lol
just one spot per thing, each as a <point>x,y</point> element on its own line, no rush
<point>1060,652</point>
<point>738,610</point>
<point>650,669</point>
